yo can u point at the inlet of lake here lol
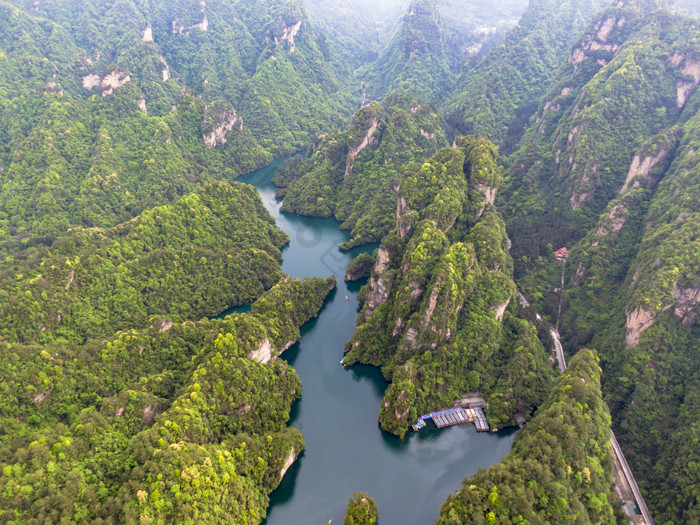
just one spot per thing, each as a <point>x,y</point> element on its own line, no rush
<point>346,451</point>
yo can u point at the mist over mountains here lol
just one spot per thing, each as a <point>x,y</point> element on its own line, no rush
<point>468,140</point>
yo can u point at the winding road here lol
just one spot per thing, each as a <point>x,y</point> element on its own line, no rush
<point>614,445</point>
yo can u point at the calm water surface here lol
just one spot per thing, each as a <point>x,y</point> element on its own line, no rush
<point>337,415</point>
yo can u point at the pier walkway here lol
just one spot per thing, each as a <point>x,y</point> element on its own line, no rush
<point>455,416</point>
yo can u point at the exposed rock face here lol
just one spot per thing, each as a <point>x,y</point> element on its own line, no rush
<point>142,105</point>
<point>501,309</point>
<point>91,81</point>
<point>640,168</point>
<point>383,259</point>
<point>427,134</point>
<point>691,72</point>
<point>597,42</point>
<point>288,35</point>
<point>613,222</point>
<point>148,34</point>
<point>223,124</point>
<point>489,193</point>
<point>685,304</point>
<point>379,286</point>
<point>166,69</point>
<point>354,152</point>
<point>108,83</point>
<point>71,277</point>
<point>638,321</point>
<point>264,352</point>
<point>289,462</point>
<point>179,28</point>
<point>40,398</point>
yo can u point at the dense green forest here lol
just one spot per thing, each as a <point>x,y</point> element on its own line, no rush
<point>196,257</point>
<point>178,422</point>
<point>108,109</point>
<point>560,467</point>
<point>607,167</point>
<point>122,127</point>
<point>498,91</point>
<point>362,510</point>
<point>352,174</point>
<point>439,314</point>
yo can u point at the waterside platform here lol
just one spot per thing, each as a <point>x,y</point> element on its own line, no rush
<point>455,416</point>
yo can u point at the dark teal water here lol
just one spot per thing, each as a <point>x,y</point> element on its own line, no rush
<point>337,415</point>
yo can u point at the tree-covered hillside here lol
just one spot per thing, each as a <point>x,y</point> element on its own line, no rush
<point>498,92</point>
<point>415,60</point>
<point>176,423</point>
<point>439,312</point>
<point>560,467</point>
<point>352,175</point>
<point>607,167</point>
<point>107,109</point>
<point>197,257</point>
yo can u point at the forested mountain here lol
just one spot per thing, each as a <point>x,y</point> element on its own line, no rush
<point>440,300</point>
<point>122,125</point>
<point>560,466</point>
<point>352,175</point>
<point>607,167</point>
<point>107,109</point>
<point>495,95</point>
<point>196,257</point>
<point>415,60</point>
<point>179,422</point>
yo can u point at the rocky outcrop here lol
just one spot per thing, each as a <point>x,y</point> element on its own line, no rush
<point>147,34</point>
<point>638,321</point>
<point>638,175</point>
<point>288,34</point>
<point>180,29</point>
<point>690,69</point>
<point>108,83</point>
<point>264,353</point>
<point>379,285</point>
<point>166,69</point>
<point>366,141</point>
<point>501,309</point>
<point>685,304</point>
<point>293,454</point>
<point>613,221</point>
<point>220,126</point>
<point>597,41</point>
<point>489,193</point>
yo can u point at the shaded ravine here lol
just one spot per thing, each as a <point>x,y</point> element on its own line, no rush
<point>337,415</point>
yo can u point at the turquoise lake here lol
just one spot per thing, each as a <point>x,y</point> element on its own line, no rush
<point>346,451</point>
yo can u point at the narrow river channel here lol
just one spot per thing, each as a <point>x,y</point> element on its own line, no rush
<point>337,415</point>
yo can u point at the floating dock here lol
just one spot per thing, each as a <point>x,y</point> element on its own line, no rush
<point>455,416</point>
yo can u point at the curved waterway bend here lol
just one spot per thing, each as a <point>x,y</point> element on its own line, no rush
<point>337,415</point>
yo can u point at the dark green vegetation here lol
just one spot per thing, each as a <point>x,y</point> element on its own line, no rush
<point>436,313</point>
<point>193,258</point>
<point>359,267</point>
<point>609,168</point>
<point>415,60</point>
<point>107,109</point>
<point>121,127</point>
<point>497,92</point>
<point>560,467</point>
<point>352,175</point>
<point>362,510</point>
<point>182,422</point>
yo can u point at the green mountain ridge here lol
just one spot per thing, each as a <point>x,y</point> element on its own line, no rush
<point>439,314</point>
